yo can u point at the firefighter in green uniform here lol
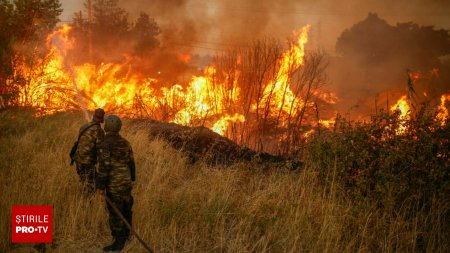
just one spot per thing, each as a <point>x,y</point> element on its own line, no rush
<point>115,174</point>
<point>90,137</point>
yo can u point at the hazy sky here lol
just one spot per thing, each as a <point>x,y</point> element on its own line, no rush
<point>214,24</point>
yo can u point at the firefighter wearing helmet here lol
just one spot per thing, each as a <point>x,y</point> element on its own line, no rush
<point>85,151</point>
<point>115,175</point>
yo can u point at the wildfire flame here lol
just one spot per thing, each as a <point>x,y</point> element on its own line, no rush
<point>279,95</point>
<point>328,123</point>
<point>402,105</point>
<point>204,99</point>
<point>60,86</point>
<point>307,134</point>
<point>221,125</point>
<point>442,115</point>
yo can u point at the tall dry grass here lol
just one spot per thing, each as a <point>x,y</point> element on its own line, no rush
<point>190,208</point>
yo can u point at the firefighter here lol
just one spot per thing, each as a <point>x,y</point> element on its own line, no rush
<point>115,176</point>
<point>90,137</point>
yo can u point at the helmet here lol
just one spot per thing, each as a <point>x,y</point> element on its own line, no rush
<point>99,114</point>
<point>112,123</point>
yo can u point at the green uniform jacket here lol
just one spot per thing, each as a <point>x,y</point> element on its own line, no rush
<point>116,165</point>
<point>89,143</point>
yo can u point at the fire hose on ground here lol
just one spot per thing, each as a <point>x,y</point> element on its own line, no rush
<point>116,210</point>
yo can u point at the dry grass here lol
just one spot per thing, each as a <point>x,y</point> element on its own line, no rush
<point>190,208</point>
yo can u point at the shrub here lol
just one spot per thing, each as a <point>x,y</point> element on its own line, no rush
<point>374,161</point>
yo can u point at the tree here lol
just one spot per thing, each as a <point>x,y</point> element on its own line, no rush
<point>373,42</point>
<point>35,18</point>
<point>145,31</point>
<point>24,25</point>
<point>6,39</point>
<point>374,56</point>
<point>79,22</point>
<point>113,35</point>
<point>109,18</point>
<point>272,90</point>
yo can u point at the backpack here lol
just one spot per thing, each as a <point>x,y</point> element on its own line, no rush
<point>75,145</point>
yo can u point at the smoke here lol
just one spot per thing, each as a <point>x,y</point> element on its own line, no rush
<point>211,26</point>
<point>178,25</point>
<point>216,24</point>
<point>207,27</point>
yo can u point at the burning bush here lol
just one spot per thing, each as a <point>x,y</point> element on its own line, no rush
<point>374,161</point>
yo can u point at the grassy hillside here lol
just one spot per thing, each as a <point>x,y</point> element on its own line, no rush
<point>191,208</point>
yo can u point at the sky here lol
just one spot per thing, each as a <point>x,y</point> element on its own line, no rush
<point>209,26</point>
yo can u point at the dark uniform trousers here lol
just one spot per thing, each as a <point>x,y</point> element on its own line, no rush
<point>115,175</point>
<point>124,203</point>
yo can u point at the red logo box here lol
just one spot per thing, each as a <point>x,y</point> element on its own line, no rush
<point>31,224</point>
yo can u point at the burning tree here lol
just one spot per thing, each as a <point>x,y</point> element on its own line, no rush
<point>24,26</point>
<point>259,95</point>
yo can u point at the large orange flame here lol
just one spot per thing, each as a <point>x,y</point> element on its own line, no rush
<point>222,124</point>
<point>204,99</point>
<point>278,94</point>
<point>58,85</point>
<point>62,85</point>
<point>114,88</point>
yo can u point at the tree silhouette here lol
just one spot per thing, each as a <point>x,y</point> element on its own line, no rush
<point>145,31</point>
<point>109,18</point>
<point>373,42</point>
<point>113,34</point>
<point>373,56</point>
